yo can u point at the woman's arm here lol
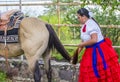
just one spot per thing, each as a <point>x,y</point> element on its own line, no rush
<point>92,41</point>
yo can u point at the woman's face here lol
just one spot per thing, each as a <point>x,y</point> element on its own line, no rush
<point>80,19</point>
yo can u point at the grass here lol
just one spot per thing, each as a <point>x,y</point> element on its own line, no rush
<point>2,77</point>
<point>70,49</point>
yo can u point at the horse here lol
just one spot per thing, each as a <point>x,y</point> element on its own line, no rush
<point>36,40</point>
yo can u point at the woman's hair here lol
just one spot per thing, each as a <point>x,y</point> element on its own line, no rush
<point>85,12</point>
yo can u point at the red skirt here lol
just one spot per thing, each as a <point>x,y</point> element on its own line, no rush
<point>111,74</point>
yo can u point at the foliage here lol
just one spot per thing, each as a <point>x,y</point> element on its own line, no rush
<point>104,12</point>
<point>2,77</point>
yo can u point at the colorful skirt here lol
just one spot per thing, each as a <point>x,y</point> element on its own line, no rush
<point>100,63</point>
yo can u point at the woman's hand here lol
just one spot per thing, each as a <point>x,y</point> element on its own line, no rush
<point>74,59</point>
<point>79,50</point>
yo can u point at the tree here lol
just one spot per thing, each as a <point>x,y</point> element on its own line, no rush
<point>104,13</point>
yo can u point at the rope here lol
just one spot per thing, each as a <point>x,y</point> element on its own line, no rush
<point>5,47</point>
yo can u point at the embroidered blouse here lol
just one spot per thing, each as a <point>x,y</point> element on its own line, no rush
<point>89,28</point>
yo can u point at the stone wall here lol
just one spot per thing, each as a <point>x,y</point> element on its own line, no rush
<point>61,72</point>
<point>64,72</point>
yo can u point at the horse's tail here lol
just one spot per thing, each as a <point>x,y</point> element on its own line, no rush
<point>55,42</point>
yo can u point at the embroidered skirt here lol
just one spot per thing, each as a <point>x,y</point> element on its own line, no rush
<point>107,66</point>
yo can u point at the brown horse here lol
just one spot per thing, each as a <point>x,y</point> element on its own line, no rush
<point>36,39</point>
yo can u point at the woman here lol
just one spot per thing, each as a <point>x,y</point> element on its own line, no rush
<point>100,61</point>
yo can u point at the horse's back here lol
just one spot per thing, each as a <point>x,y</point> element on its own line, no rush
<point>33,24</point>
<point>34,28</point>
<point>33,35</point>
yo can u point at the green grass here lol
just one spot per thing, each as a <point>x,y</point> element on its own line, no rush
<point>70,49</point>
<point>2,77</point>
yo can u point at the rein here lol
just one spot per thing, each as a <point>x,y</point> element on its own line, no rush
<point>6,48</point>
<point>16,22</point>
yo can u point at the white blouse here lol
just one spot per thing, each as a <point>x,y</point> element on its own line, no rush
<point>89,28</point>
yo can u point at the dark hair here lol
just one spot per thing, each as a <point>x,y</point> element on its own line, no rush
<point>83,11</point>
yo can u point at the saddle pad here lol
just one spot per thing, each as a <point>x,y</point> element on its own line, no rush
<point>12,36</point>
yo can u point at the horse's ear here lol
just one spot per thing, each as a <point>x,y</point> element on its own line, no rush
<point>75,57</point>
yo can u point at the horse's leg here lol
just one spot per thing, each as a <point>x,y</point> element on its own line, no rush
<point>34,67</point>
<point>32,56</point>
<point>37,73</point>
<point>49,72</point>
<point>47,65</point>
